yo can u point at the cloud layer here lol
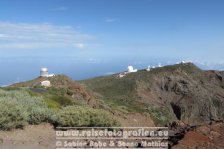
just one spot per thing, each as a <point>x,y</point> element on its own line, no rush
<point>34,36</point>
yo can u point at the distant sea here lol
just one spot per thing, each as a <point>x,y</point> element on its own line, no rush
<point>19,69</point>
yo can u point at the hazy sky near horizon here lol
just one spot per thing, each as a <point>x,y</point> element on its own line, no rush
<point>117,29</point>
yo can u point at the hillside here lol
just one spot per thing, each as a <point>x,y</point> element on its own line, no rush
<point>188,100</point>
<point>178,92</point>
<point>158,97</point>
<point>61,87</point>
<point>65,91</point>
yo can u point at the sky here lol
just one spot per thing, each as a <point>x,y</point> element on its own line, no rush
<point>97,31</point>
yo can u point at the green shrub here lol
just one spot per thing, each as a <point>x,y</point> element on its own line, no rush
<point>52,104</point>
<point>62,100</point>
<point>11,116</point>
<point>18,107</point>
<point>38,115</point>
<point>160,115</point>
<point>79,116</point>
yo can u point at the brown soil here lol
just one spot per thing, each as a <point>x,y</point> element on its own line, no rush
<point>32,136</point>
<point>203,137</point>
<point>135,120</point>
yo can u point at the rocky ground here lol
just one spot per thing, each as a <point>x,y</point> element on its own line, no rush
<point>207,136</point>
<point>31,137</point>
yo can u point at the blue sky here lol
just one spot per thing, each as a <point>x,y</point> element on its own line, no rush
<point>113,29</point>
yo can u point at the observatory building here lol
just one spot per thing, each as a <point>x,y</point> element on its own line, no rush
<point>159,65</point>
<point>131,69</point>
<point>44,72</point>
<point>46,83</point>
<point>149,68</point>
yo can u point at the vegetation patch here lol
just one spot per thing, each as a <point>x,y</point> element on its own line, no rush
<point>160,115</point>
<point>55,100</point>
<point>79,116</point>
<point>18,108</point>
<point>21,107</point>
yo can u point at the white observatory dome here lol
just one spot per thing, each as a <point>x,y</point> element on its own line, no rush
<point>43,69</point>
<point>130,68</point>
<point>44,72</point>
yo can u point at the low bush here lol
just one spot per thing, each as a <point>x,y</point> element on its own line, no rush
<point>11,116</point>
<point>160,115</point>
<point>41,114</point>
<point>79,116</point>
<point>18,107</point>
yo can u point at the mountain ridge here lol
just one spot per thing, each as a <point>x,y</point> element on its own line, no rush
<point>188,100</point>
<point>185,91</point>
<point>164,94</point>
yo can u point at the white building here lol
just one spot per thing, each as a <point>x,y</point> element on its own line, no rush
<point>46,83</point>
<point>159,65</point>
<point>121,75</point>
<point>51,75</point>
<point>131,69</point>
<point>44,72</point>
<point>149,68</point>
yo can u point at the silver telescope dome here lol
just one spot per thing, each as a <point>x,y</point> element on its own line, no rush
<point>44,72</point>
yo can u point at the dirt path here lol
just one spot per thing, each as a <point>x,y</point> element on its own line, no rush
<point>43,136</point>
<point>31,137</point>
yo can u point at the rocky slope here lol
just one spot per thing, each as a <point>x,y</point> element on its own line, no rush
<point>209,136</point>
<point>179,92</point>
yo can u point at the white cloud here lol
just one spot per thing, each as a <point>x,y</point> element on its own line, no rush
<point>80,45</point>
<point>34,36</point>
<point>110,20</point>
